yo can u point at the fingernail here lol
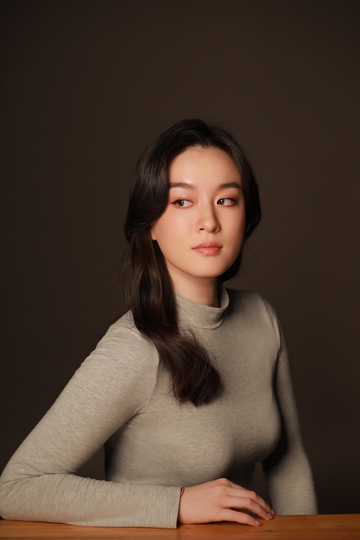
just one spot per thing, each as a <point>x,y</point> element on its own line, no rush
<point>273,512</point>
<point>258,522</point>
<point>270,516</point>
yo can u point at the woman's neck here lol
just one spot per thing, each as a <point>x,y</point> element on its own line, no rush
<point>202,291</point>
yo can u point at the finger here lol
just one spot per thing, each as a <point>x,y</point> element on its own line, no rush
<point>224,482</point>
<point>239,517</point>
<point>246,503</point>
<point>255,497</point>
<point>264,505</point>
<point>238,491</point>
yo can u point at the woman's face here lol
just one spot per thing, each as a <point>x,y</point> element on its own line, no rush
<point>202,229</point>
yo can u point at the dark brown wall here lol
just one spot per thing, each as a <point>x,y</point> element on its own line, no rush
<point>85,86</point>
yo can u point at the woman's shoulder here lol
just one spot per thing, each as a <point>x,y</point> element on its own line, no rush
<point>124,349</point>
<point>124,331</point>
<point>248,299</point>
<point>124,324</point>
<point>254,308</point>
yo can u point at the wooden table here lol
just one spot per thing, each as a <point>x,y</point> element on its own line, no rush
<point>322,527</point>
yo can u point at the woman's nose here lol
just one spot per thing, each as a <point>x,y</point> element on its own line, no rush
<point>207,220</point>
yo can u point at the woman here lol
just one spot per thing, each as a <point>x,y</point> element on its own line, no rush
<point>191,387</point>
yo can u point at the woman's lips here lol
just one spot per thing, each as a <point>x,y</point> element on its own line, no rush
<point>208,248</point>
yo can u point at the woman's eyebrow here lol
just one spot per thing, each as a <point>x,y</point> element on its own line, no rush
<point>227,185</point>
<point>186,185</point>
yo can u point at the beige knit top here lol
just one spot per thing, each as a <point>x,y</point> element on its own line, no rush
<point>153,445</point>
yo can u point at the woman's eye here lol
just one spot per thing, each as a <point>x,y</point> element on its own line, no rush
<point>228,201</point>
<point>182,203</point>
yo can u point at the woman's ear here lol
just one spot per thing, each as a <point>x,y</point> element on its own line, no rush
<point>152,234</point>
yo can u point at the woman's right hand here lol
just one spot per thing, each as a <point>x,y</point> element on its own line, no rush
<point>221,500</point>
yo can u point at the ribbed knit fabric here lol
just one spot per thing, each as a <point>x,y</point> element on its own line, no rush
<point>153,445</point>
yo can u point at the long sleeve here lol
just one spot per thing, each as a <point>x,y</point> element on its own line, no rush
<point>120,396</point>
<point>110,387</point>
<point>287,469</point>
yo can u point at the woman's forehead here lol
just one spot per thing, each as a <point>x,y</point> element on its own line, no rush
<point>197,164</point>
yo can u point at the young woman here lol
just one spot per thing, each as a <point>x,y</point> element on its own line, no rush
<point>191,387</point>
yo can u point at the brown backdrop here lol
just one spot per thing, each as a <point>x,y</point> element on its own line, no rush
<point>85,86</point>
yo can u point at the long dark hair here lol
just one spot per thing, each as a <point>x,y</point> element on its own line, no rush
<point>152,298</point>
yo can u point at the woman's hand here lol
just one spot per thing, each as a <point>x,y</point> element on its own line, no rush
<point>221,500</point>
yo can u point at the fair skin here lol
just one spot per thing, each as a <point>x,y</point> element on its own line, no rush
<point>200,234</point>
<point>202,229</point>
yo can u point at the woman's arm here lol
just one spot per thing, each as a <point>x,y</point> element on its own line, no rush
<point>287,469</point>
<point>110,387</point>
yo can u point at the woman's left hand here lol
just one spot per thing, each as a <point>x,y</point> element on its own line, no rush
<point>221,500</point>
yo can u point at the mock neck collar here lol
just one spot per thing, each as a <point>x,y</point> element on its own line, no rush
<point>200,316</point>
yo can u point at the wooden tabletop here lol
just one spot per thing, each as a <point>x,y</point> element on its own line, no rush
<point>321,527</point>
